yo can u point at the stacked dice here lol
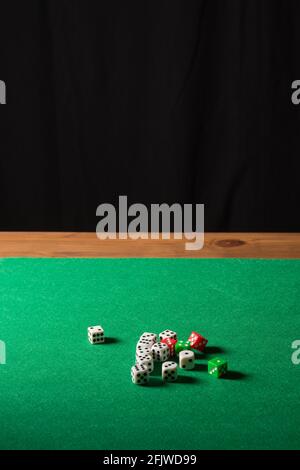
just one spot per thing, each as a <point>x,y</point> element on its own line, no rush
<point>150,349</point>
<point>140,372</point>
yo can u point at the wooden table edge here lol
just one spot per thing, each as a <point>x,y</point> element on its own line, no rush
<point>87,245</point>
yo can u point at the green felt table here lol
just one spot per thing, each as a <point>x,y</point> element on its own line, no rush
<point>59,392</point>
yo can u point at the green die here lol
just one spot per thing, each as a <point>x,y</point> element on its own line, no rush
<point>217,367</point>
<point>182,346</point>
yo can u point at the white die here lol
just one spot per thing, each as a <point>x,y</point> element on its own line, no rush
<point>169,371</point>
<point>147,361</point>
<point>96,335</point>
<point>167,334</point>
<point>149,336</point>
<point>139,374</point>
<point>140,354</point>
<point>186,360</point>
<point>160,352</point>
<point>145,342</point>
<point>144,349</point>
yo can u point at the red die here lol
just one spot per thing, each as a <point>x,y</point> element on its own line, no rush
<point>170,342</point>
<point>197,341</point>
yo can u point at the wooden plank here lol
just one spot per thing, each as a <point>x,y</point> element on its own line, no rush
<point>87,245</point>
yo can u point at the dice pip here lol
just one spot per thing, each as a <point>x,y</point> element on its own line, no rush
<point>217,367</point>
<point>186,360</point>
<point>197,341</point>
<point>169,371</point>
<point>96,335</point>
<point>139,374</point>
<point>160,352</point>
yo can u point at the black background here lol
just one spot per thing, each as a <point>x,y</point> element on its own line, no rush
<point>163,101</point>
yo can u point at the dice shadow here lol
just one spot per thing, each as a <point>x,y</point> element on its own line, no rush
<point>156,382</point>
<point>235,375</point>
<point>110,340</point>
<point>200,368</point>
<point>157,371</point>
<point>186,379</point>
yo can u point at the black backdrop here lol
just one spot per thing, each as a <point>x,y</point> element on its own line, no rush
<point>161,100</point>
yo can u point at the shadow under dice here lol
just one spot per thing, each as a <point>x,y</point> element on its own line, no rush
<point>169,371</point>
<point>186,360</point>
<point>96,334</point>
<point>160,352</point>
<point>139,374</point>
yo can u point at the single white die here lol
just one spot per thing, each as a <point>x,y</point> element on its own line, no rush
<point>149,336</point>
<point>160,352</point>
<point>186,360</point>
<point>139,374</point>
<point>167,334</point>
<point>147,361</point>
<point>96,334</point>
<point>144,349</point>
<point>169,371</point>
<point>146,342</point>
<point>140,354</point>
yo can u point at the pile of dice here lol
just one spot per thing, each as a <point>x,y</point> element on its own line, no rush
<point>164,349</point>
<point>149,350</point>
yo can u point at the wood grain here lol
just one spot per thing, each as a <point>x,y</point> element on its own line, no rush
<point>86,245</point>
